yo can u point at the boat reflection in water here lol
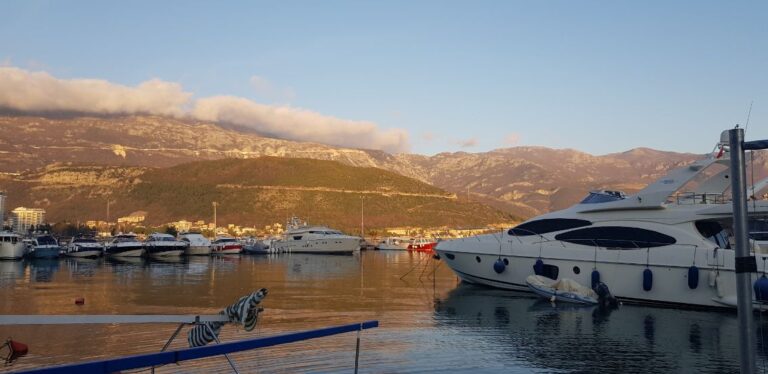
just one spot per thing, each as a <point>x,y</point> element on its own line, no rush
<point>518,328</point>
<point>10,271</point>
<point>320,266</point>
<point>43,269</point>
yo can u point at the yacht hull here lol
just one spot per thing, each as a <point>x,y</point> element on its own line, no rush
<point>327,246</point>
<point>165,252</point>
<point>232,249</point>
<point>46,252</point>
<point>623,271</point>
<point>126,251</point>
<point>198,250</point>
<point>85,253</point>
<point>12,251</point>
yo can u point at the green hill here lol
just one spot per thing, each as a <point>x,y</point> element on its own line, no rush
<point>249,192</point>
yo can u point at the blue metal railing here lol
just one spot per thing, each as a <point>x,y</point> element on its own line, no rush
<point>170,357</point>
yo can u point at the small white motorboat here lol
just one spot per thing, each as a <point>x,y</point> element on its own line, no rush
<point>198,244</point>
<point>565,290</point>
<point>84,248</point>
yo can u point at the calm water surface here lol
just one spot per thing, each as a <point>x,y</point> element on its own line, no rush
<point>428,321</point>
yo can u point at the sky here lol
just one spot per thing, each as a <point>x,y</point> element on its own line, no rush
<point>404,76</point>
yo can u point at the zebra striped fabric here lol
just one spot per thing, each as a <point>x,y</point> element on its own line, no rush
<point>245,311</point>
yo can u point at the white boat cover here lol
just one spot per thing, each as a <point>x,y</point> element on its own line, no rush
<point>562,285</point>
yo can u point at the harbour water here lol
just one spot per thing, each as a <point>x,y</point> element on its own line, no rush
<point>428,323</point>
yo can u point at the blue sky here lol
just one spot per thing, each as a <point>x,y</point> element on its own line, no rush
<point>596,76</point>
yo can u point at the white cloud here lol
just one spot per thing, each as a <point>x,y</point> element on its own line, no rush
<point>27,91</point>
<point>512,139</point>
<point>468,143</point>
<point>39,92</point>
<point>299,124</point>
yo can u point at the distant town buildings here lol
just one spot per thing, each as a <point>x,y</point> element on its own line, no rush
<point>24,218</point>
<point>133,218</point>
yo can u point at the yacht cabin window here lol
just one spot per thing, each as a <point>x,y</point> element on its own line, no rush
<point>714,232</point>
<point>544,226</point>
<point>617,237</point>
<point>761,236</point>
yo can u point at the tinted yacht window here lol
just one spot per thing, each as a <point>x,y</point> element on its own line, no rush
<point>714,232</point>
<point>617,237</point>
<point>544,226</point>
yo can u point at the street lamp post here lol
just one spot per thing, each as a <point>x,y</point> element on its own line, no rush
<point>215,225</point>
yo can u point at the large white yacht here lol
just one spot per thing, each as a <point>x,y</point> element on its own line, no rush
<point>669,243</point>
<point>302,238</point>
<point>11,246</point>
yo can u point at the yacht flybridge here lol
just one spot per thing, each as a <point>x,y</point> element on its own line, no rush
<point>670,243</point>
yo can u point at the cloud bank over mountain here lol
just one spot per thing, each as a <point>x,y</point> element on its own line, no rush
<point>41,93</point>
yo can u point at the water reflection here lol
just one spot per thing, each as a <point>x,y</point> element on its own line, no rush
<point>428,322</point>
<point>10,271</point>
<point>301,266</point>
<point>562,337</point>
<point>43,269</point>
<point>83,267</point>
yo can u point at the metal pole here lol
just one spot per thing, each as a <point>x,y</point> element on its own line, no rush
<point>745,264</point>
<point>215,225</point>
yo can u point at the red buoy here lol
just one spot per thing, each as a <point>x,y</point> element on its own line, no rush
<point>17,349</point>
<point>80,301</point>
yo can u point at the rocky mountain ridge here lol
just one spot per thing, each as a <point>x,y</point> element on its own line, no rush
<point>524,181</point>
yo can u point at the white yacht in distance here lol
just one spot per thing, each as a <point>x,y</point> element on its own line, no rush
<point>394,243</point>
<point>198,244</point>
<point>11,246</point>
<point>125,245</point>
<point>164,245</point>
<point>301,238</point>
<point>84,247</point>
<point>45,246</point>
<point>226,245</point>
<point>660,245</point>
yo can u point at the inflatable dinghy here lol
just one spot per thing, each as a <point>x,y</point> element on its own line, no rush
<point>565,290</point>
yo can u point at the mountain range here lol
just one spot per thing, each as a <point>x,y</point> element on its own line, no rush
<point>523,181</point>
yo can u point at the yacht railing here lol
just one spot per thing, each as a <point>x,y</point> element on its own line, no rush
<point>151,360</point>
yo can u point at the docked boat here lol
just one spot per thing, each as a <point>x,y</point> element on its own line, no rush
<point>45,246</point>
<point>563,290</point>
<point>667,244</point>
<point>199,245</point>
<point>11,246</point>
<point>125,245</point>
<point>164,245</point>
<point>85,248</point>
<point>302,238</point>
<point>256,246</point>
<point>394,243</point>
<point>422,244</point>
<point>226,245</point>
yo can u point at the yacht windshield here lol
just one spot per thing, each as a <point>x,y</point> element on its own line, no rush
<point>597,197</point>
<point>761,236</point>
<point>46,240</point>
